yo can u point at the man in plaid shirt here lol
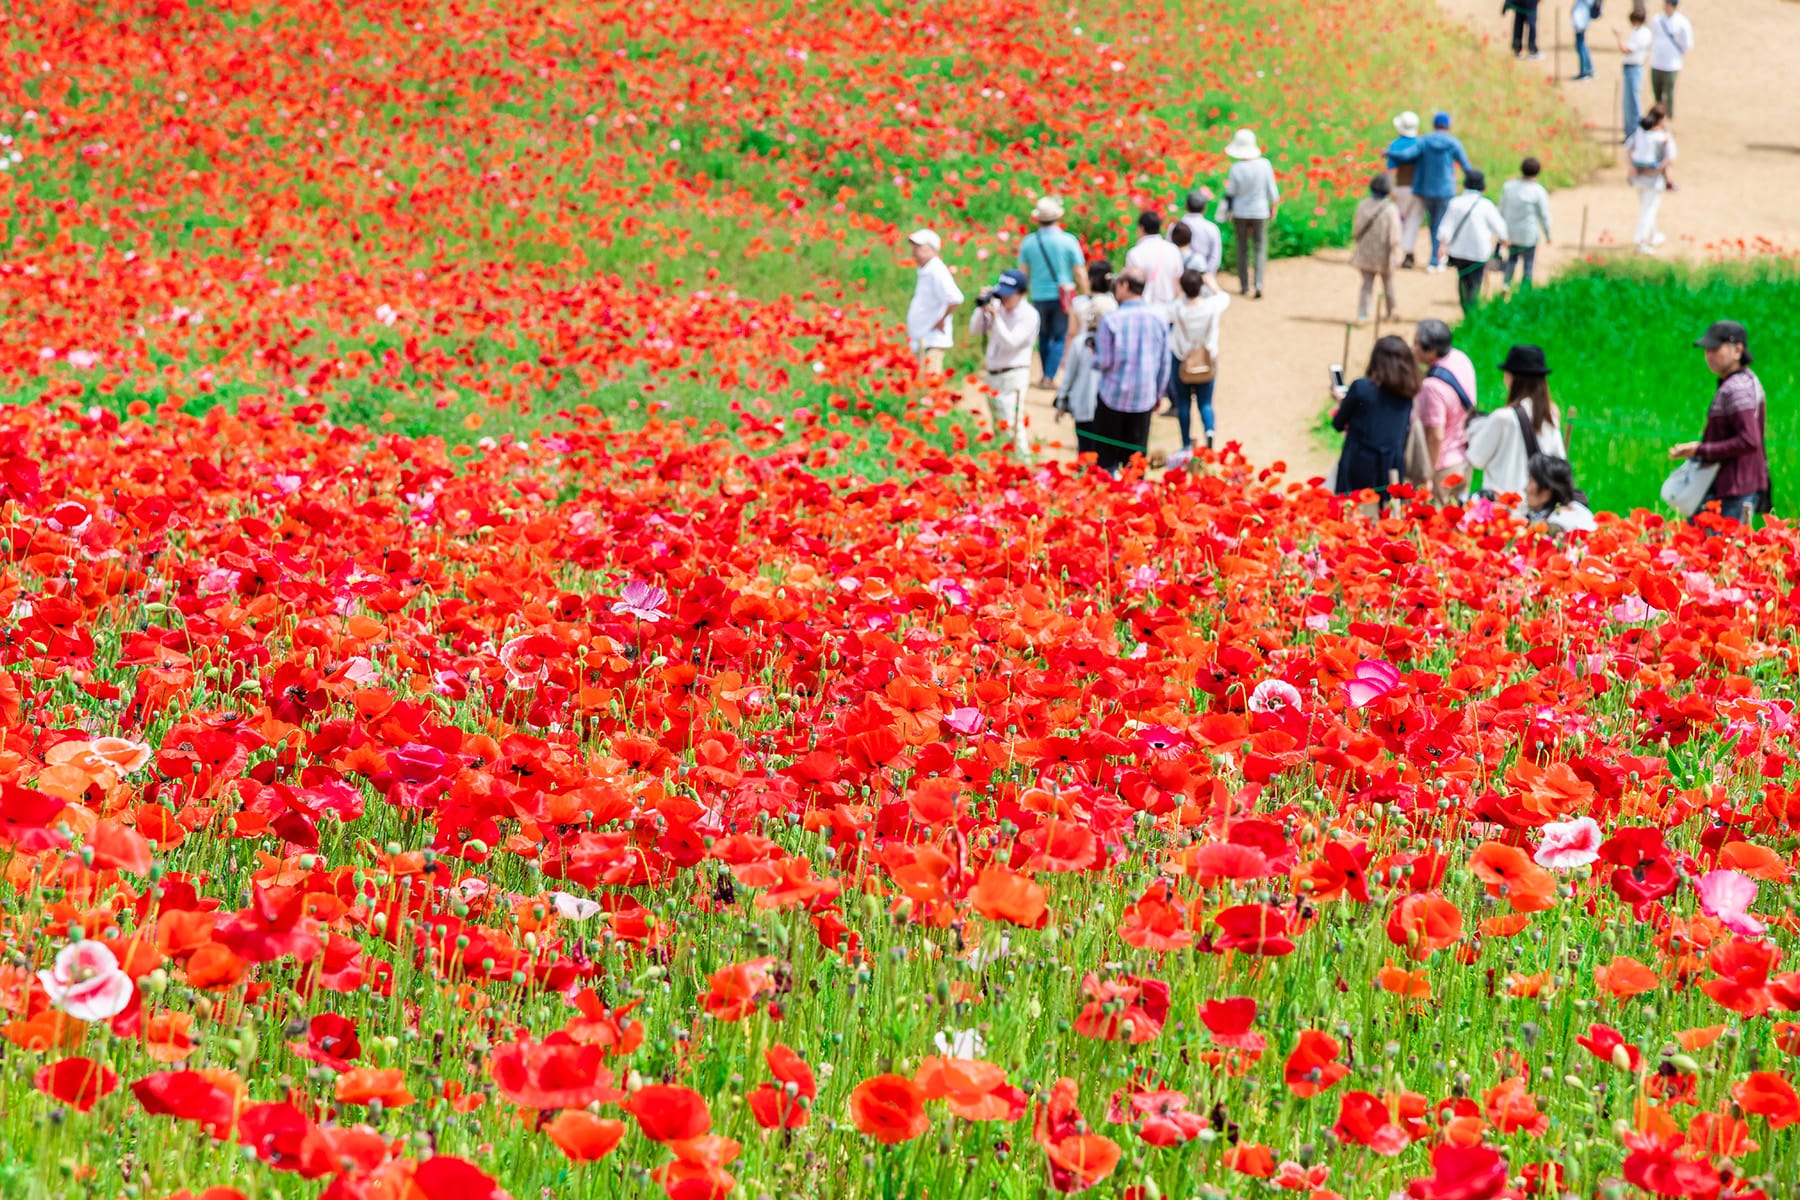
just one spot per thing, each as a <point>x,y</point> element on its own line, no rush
<point>1131,352</point>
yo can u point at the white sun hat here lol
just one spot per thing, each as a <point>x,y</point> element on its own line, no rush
<point>1243,145</point>
<point>1407,124</point>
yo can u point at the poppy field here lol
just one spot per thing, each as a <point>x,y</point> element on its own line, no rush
<point>508,687</point>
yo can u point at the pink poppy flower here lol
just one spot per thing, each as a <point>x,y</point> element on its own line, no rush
<point>1727,895</point>
<point>1370,682</point>
<point>1274,695</point>
<point>1569,845</point>
<point>966,721</point>
<point>86,982</point>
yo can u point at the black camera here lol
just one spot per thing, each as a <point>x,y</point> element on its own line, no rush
<point>986,298</point>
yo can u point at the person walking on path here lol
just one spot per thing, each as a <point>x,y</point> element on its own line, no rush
<point>1051,259</point>
<point>1252,199</point>
<point>1672,39</point>
<point>1402,162</point>
<point>1159,260</point>
<point>1194,352</point>
<point>1634,53</point>
<point>1581,17</point>
<point>1079,394</point>
<point>1651,150</point>
<point>1736,425</point>
<point>1476,233</point>
<point>1552,499</point>
<point>1208,244</point>
<point>1525,206</point>
<point>1437,155</point>
<point>1446,399</point>
<point>1375,237</point>
<point>1131,352</point>
<point>1375,416</point>
<point>1502,443</point>
<point>935,298</point>
<point>1524,37</point>
<point>1011,326</point>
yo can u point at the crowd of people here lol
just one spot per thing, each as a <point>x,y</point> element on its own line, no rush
<point>1119,344</point>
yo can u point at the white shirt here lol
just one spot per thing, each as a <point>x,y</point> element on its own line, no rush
<point>1160,261</point>
<point>1637,45</point>
<point>932,294</point>
<point>1650,151</point>
<point>1497,447</point>
<point>1012,334</point>
<point>1674,37</point>
<point>1197,324</point>
<point>1473,226</point>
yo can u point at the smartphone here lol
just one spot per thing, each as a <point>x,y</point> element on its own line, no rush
<point>1337,378</point>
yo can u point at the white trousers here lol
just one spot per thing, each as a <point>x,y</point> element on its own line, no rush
<point>1412,217</point>
<point>1007,407</point>
<point>1649,200</point>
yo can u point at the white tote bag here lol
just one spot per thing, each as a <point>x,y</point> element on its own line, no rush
<point>1687,485</point>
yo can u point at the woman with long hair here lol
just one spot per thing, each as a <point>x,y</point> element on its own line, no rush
<point>1501,444</point>
<point>1375,416</point>
<point>1551,497</point>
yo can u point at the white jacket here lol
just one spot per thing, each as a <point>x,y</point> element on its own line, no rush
<point>1011,334</point>
<point>1472,228</point>
<point>1497,447</point>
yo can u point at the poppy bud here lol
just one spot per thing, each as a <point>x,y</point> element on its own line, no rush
<point>1621,1057</point>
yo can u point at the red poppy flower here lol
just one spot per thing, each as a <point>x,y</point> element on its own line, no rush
<point>669,1113</point>
<point>557,1073</point>
<point>583,1136</point>
<point>78,1082</point>
<point>889,1108</point>
<point>1312,1067</point>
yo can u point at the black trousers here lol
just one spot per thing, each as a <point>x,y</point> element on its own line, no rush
<point>1525,30</point>
<point>1469,278</point>
<point>1125,434</point>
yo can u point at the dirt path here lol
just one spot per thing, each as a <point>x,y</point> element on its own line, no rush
<point>1738,131</point>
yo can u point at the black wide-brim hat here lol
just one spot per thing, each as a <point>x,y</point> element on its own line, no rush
<point>1526,360</point>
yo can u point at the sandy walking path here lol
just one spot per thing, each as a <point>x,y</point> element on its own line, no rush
<point>1737,127</point>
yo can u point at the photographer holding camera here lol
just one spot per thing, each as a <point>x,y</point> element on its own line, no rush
<point>1011,326</point>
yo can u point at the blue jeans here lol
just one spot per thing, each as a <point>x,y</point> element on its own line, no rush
<point>1435,207</point>
<point>1053,331</point>
<point>1515,255</point>
<point>1737,508</point>
<point>1634,91</point>
<point>1199,395</point>
<point>1583,57</point>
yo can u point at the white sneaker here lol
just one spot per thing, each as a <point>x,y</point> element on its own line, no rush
<point>1645,248</point>
<point>1657,239</point>
<point>1433,268</point>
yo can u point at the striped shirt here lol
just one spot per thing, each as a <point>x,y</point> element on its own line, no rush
<point>1131,352</point>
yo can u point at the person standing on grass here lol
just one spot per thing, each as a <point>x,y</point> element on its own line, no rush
<point>1525,205</point>
<point>1208,244</point>
<point>1502,444</point>
<point>1437,154</point>
<point>935,298</point>
<point>1651,150</point>
<point>1634,52</point>
<point>1131,352</point>
<point>1375,233</point>
<point>1446,399</point>
<point>1581,16</point>
<point>1477,231</point>
<point>1525,15</point>
<point>1402,162</point>
<point>1672,39</point>
<point>1252,199</point>
<point>1050,258</point>
<point>1736,425</point>
<point>1158,259</point>
<point>1078,395</point>
<point>1011,326</point>
<point>1375,416</point>
<point>1195,330</point>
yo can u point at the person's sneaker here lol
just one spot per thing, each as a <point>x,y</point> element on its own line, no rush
<point>1534,56</point>
<point>1657,239</point>
<point>1433,268</point>
<point>1258,295</point>
<point>1408,263</point>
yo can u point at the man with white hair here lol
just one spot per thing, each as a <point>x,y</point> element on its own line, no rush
<point>935,298</point>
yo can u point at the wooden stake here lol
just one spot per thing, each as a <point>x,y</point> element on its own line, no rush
<point>1346,359</point>
<point>1556,50</point>
<point>1584,217</point>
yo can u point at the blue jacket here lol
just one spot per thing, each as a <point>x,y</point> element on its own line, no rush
<point>1402,150</point>
<point>1437,154</point>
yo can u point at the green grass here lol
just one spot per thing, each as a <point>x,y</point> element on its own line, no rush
<point>1627,376</point>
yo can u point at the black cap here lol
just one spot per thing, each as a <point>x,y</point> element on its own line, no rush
<point>1475,181</point>
<point>1526,360</point>
<point>1723,333</point>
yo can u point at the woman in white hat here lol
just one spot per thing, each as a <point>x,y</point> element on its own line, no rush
<point>1402,160</point>
<point>1252,199</point>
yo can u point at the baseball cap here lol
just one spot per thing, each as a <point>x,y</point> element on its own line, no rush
<point>1441,121</point>
<point>926,237</point>
<point>1011,283</point>
<point>1723,333</point>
